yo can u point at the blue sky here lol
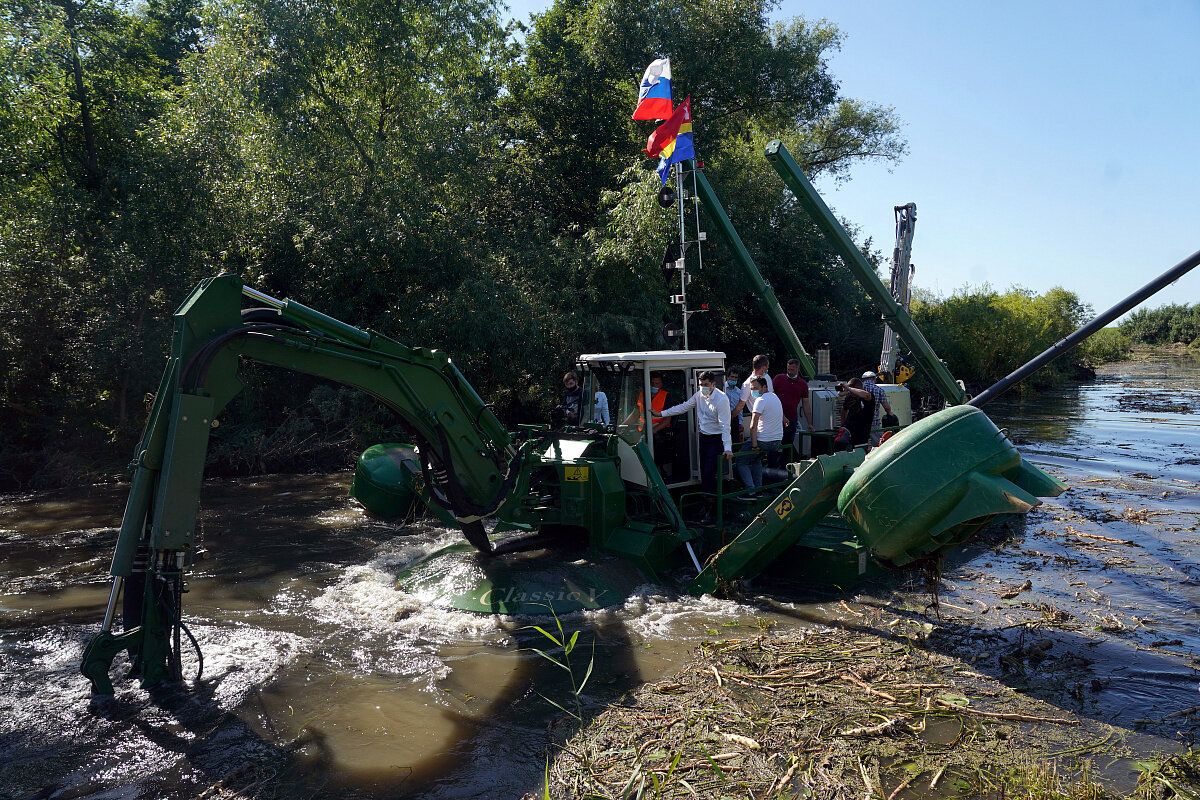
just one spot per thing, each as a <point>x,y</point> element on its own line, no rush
<point>1050,143</point>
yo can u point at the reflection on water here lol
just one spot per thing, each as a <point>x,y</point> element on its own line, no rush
<point>1113,583</point>
<point>1135,416</point>
<point>313,655</point>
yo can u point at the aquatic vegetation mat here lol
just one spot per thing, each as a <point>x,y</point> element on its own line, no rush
<point>838,713</point>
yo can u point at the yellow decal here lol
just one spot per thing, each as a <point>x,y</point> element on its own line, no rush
<point>575,474</point>
<point>784,508</point>
<point>418,482</point>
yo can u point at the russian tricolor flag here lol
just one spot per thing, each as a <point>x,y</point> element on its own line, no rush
<point>654,96</point>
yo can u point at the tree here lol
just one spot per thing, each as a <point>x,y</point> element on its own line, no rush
<point>408,168</point>
<point>983,334</point>
<point>83,79</point>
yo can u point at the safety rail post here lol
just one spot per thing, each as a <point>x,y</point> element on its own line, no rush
<point>895,316</point>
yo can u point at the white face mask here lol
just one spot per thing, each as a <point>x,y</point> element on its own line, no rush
<point>706,390</point>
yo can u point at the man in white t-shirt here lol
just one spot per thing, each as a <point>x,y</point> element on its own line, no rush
<point>766,433</point>
<point>758,369</point>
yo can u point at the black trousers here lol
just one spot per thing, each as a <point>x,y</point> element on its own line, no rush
<point>711,448</point>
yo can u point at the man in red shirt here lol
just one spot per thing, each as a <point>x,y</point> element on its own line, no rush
<point>792,391</point>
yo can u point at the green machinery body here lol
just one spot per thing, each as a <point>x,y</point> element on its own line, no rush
<point>598,489</point>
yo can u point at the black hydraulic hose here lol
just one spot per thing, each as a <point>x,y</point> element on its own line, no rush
<point>176,617</point>
<point>455,491</point>
<point>1058,348</point>
<point>175,656</point>
<point>196,645</point>
<point>196,369</point>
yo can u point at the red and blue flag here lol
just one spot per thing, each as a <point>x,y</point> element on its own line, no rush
<point>672,141</point>
<point>666,133</point>
<point>654,96</point>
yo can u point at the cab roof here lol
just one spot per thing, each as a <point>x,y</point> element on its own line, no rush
<point>660,358</point>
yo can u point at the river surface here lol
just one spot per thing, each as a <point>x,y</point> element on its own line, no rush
<point>316,663</point>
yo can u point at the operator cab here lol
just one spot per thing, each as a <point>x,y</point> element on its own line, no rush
<point>668,378</point>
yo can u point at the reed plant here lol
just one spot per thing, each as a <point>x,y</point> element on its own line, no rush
<point>567,644</point>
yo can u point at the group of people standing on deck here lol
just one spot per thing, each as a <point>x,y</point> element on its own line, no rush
<point>780,408</point>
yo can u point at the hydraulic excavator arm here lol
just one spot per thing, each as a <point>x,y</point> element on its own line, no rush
<point>469,461</point>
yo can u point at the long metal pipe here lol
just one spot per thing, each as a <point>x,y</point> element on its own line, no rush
<point>1063,345</point>
<point>762,289</point>
<point>895,316</point>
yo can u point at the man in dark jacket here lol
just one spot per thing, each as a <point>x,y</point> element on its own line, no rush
<point>858,411</point>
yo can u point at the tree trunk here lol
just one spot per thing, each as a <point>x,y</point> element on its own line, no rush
<point>90,159</point>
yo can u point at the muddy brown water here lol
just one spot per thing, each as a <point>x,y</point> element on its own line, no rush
<point>314,660</point>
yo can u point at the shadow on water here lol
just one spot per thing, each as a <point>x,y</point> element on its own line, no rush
<point>319,673</point>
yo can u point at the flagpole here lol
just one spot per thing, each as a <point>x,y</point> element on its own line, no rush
<point>696,205</point>
<point>679,186</point>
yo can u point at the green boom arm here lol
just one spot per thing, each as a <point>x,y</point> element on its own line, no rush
<point>762,289</point>
<point>893,314</point>
<point>470,462</point>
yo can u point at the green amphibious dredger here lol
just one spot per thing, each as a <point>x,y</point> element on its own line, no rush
<point>597,503</point>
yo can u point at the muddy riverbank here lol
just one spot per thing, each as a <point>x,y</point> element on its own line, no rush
<point>959,683</point>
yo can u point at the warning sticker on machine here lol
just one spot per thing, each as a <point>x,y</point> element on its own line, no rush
<point>784,508</point>
<point>575,474</point>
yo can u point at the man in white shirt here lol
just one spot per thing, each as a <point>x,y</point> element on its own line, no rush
<point>766,433</point>
<point>712,412</point>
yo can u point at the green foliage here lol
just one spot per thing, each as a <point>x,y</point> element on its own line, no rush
<point>411,168</point>
<point>1105,346</point>
<point>1174,776</point>
<point>1178,323</point>
<point>983,334</point>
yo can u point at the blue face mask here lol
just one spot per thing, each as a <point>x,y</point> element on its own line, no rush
<point>732,384</point>
<point>755,393</point>
<point>653,391</point>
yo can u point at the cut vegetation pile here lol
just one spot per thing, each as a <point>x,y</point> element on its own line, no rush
<point>837,713</point>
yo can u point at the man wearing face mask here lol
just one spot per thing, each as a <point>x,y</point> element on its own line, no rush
<point>712,411</point>
<point>766,434</point>
<point>733,393</point>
